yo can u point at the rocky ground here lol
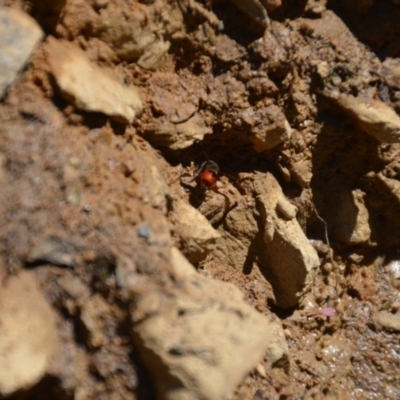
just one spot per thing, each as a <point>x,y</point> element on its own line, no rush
<point>128,271</point>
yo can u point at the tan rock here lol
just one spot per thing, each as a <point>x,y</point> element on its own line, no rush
<point>19,36</point>
<point>89,87</point>
<point>152,57</point>
<point>194,235</point>
<point>177,136</point>
<point>351,224</point>
<point>373,116</point>
<point>238,232</point>
<point>28,336</point>
<point>301,173</point>
<point>200,341</point>
<point>181,265</point>
<point>289,261</point>
<point>268,125</point>
<point>387,321</point>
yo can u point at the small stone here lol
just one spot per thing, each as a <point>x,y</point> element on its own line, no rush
<point>387,321</point>
<point>351,225</point>
<point>177,136</point>
<point>19,36</point>
<point>261,371</point>
<point>395,306</point>
<point>195,235</point>
<point>269,127</point>
<point>53,250</point>
<point>144,232</point>
<point>152,58</point>
<point>228,50</point>
<point>301,173</point>
<point>87,86</point>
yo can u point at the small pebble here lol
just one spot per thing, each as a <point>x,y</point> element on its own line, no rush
<point>395,306</point>
<point>261,371</point>
<point>144,231</point>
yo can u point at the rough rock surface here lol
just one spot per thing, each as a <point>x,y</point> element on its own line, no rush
<point>19,36</point>
<point>142,34</point>
<point>28,338</point>
<point>269,127</point>
<point>373,116</point>
<point>352,225</point>
<point>386,320</point>
<point>88,87</point>
<point>194,235</point>
<point>289,257</point>
<point>86,202</point>
<point>188,364</point>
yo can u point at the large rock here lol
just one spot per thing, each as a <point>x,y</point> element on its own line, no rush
<point>19,36</point>
<point>289,260</point>
<point>200,340</point>
<point>89,87</point>
<point>372,115</point>
<point>28,336</point>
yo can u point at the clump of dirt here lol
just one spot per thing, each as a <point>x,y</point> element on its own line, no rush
<point>255,141</point>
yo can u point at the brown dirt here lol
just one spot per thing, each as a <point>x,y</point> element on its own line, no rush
<point>78,203</point>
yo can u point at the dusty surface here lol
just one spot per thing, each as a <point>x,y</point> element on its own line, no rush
<point>146,283</point>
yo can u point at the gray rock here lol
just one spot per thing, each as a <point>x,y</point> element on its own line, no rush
<point>19,36</point>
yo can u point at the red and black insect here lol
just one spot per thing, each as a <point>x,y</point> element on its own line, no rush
<point>208,173</point>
